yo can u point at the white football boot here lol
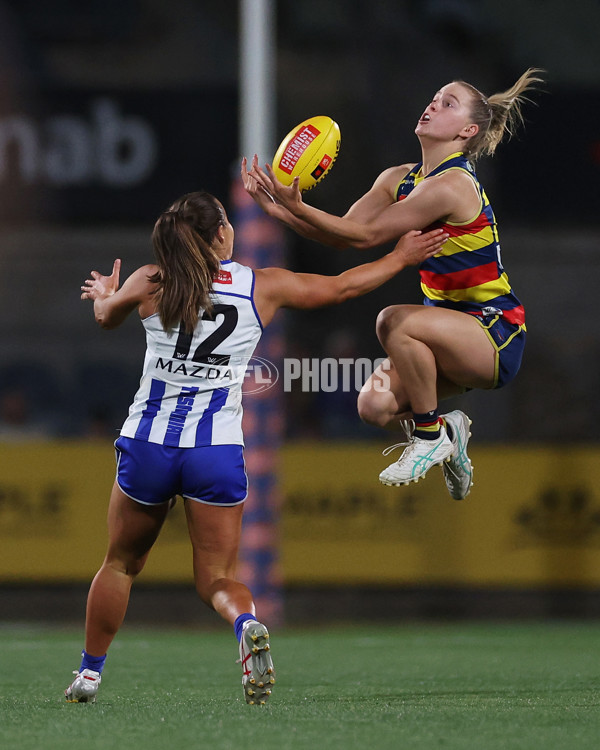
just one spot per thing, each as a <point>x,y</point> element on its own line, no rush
<point>458,470</point>
<point>418,457</point>
<point>258,675</point>
<point>84,687</point>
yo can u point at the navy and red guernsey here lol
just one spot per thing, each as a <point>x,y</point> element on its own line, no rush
<point>467,274</point>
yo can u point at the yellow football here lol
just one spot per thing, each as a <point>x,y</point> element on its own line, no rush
<point>308,152</point>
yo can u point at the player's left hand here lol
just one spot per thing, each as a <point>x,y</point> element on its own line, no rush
<point>288,196</point>
<point>99,287</point>
<point>257,192</point>
<point>416,246</point>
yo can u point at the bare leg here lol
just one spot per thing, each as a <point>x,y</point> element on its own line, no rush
<point>383,401</point>
<point>215,536</point>
<point>435,353</point>
<point>133,529</point>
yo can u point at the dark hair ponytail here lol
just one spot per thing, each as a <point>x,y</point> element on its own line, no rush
<point>182,239</point>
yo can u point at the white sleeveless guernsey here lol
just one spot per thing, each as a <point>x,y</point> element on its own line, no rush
<point>190,394</point>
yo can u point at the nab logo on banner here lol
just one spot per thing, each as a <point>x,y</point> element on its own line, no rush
<point>86,155</point>
<point>107,147</point>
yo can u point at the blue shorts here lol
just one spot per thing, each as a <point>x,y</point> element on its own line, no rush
<point>152,474</point>
<point>508,339</point>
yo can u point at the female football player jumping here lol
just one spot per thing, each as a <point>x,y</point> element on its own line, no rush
<point>470,332</point>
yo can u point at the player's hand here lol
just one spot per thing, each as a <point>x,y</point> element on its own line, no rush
<point>256,191</point>
<point>100,287</point>
<point>288,196</point>
<point>416,246</point>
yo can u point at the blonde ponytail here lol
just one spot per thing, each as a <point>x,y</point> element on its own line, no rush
<point>498,115</point>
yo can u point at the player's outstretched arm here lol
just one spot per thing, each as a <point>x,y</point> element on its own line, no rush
<point>275,210</point>
<point>111,303</point>
<point>428,202</point>
<point>278,287</point>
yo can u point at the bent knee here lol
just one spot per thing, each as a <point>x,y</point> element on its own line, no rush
<point>390,319</point>
<point>370,408</point>
<point>364,408</point>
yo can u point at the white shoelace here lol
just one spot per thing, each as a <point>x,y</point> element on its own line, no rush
<point>451,470</point>
<point>408,425</point>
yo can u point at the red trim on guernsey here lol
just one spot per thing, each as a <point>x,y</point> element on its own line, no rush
<point>458,230</point>
<point>477,225</point>
<point>516,316</point>
<point>466,279</point>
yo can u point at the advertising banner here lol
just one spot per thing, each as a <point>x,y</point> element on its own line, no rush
<point>532,519</point>
<point>113,155</point>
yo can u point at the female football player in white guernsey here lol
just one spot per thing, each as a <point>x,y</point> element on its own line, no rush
<point>203,315</point>
<point>436,350</point>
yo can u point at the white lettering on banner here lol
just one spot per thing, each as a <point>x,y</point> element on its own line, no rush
<point>21,132</point>
<point>68,159</point>
<point>109,148</point>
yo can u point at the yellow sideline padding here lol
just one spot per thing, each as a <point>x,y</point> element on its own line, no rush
<point>532,518</point>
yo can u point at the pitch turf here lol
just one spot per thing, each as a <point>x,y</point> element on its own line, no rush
<point>451,686</point>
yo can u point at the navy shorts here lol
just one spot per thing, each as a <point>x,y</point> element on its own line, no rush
<point>508,339</point>
<point>152,474</point>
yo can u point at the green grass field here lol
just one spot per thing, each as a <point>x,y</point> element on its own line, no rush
<point>483,686</point>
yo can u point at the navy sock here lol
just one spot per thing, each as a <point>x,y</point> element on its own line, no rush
<point>92,662</point>
<point>427,425</point>
<point>238,626</point>
<point>449,430</point>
